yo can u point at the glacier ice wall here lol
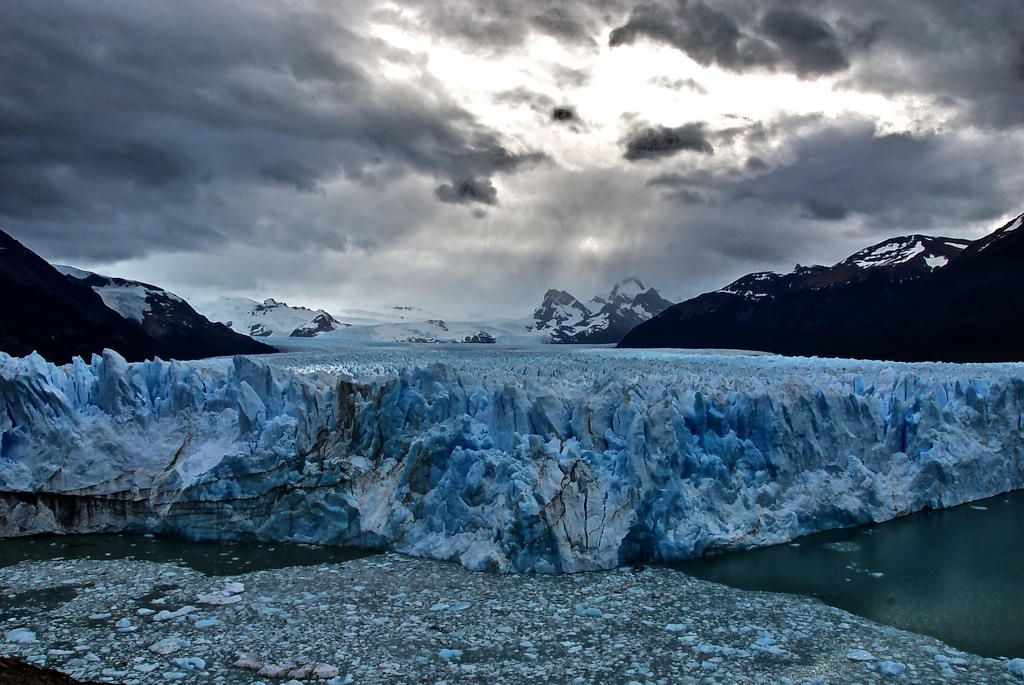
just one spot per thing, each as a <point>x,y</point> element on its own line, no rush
<point>502,462</point>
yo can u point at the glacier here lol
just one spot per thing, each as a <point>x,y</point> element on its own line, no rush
<point>501,460</point>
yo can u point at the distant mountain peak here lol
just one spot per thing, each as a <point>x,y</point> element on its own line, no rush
<point>605,319</point>
<point>558,309</point>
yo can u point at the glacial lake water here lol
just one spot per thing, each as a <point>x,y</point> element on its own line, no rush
<point>209,558</point>
<point>955,574</point>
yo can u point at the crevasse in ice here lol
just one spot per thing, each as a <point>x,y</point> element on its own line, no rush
<point>513,464</point>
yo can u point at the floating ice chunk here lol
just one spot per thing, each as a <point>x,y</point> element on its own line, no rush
<point>859,655</point>
<point>207,623</point>
<point>113,673</point>
<point>347,680</point>
<point>145,612</point>
<point>100,617</point>
<point>675,627</point>
<point>842,546</point>
<point>276,670</point>
<point>589,612</point>
<point>124,625</point>
<point>1016,667</point>
<point>249,660</point>
<point>325,671</point>
<point>174,675</point>
<point>189,663</point>
<point>20,635</point>
<point>168,615</point>
<point>450,654</point>
<point>225,596</point>
<point>891,668</point>
<point>169,645</point>
<point>145,668</point>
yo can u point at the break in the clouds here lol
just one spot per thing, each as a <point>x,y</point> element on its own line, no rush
<point>465,156</point>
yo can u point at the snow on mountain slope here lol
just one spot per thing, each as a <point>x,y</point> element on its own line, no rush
<point>613,315</point>
<point>131,299</point>
<point>268,318</point>
<point>763,285</point>
<point>558,309</point>
<point>572,460</point>
<point>165,317</point>
<point>934,252</point>
<point>434,331</point>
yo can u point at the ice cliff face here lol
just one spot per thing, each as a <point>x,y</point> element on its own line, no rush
<point>515,463</point>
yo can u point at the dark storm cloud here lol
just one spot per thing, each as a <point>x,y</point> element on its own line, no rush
<point>826,211</point>
<point>806,41</point>
<point>468,191</point>
<point>292,174</point>
<point>755,163</point>
<point>563,114</point>
<point>150,116</point>
<point>658,142</point>
<point>954,53</point>
<point>958,54</point>
<point>784,39</point>
<point>707,35</point>
<point>150,165</point>
<point>895,182</point>
<point>561,23</point>
<point>500,25</point>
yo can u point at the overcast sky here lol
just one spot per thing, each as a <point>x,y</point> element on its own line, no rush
<point>464,157</point>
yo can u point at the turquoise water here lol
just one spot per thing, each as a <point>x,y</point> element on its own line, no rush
<point>956,574</point>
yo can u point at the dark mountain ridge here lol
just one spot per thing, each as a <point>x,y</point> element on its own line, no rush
<point>913,298</point>
<point>61,317</point>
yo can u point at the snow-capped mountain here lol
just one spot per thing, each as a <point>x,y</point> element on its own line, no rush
<point>269,317</point>
<point>557,310</point>
<point>43,310</point>
<point>605,319</point>
<point>165,316</point>
<point>917,253</point>
<point>904,256</point>
<point>907,298</point>
<point>560,318</point>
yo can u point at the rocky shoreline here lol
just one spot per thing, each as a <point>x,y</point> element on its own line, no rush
<point>396,619</point>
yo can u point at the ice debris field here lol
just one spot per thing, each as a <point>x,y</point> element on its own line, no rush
<point>500,460</point>
<point>396,619</point>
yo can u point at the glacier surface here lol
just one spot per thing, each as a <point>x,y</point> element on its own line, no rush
<point>560,461</point>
